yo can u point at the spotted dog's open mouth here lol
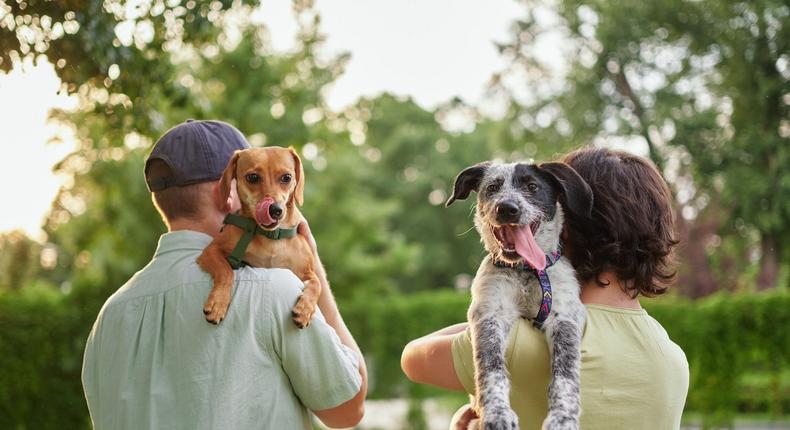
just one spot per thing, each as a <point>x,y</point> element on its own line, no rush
<point>517,242</point>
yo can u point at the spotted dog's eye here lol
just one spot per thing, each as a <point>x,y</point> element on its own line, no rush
<point>286,178</point>
<point>492,187</point>
<point>532,186</point>
<point>252,178</point>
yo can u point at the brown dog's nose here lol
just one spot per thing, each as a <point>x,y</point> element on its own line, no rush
<point>276,211</point>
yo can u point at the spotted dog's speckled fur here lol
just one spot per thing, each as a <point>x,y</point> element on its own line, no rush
<point>501,295</point>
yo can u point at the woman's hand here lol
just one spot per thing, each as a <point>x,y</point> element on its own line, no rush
<point>304,229</point>
<point>463,417</point>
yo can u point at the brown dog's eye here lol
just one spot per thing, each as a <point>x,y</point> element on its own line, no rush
<point>532,186</point>
<point>252,178</point>
<point>286,178</point>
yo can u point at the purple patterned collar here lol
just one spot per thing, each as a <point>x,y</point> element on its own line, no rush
<point>543,279</point>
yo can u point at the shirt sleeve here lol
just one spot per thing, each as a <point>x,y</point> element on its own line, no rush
<point>463,360</point>
<point>323,372</point>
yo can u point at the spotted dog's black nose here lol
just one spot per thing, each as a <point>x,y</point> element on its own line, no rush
<point>276,211</point>
<point>507,212</point>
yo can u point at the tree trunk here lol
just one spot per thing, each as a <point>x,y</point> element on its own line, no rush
<point>698,279</point>
<point>769,263</point>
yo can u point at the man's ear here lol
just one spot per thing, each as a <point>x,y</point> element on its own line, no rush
<point>225,205</point>
<point>575,194</point>
<point>228,175</point>
<point>299,169</point>
<point>467,181</point>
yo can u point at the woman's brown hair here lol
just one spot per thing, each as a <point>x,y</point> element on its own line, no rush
<point>631,230</point>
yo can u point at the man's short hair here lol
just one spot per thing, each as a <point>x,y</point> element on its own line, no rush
<point>185,202</point>
<point>631,231</point>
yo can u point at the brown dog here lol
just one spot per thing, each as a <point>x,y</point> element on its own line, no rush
<point>270,183</point>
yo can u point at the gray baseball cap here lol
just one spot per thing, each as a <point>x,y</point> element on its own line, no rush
<point>195,151</point>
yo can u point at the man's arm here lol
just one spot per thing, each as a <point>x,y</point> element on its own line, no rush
<point>349,413</point>
<point>429,359</point>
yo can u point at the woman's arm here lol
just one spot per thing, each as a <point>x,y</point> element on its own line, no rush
<point>429,359</point>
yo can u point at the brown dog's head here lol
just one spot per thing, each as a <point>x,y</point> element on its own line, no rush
<point>268,180</point>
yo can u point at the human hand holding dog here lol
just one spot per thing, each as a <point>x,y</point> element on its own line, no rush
<point>463,418</point>
<point>328,306</point>
<point>326,301</point>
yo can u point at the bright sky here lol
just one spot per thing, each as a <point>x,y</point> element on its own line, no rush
<point>432,50</point>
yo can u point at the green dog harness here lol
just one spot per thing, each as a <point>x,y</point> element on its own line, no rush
<point>251,228</point>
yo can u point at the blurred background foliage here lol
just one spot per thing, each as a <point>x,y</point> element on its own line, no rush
<point>700,86</point>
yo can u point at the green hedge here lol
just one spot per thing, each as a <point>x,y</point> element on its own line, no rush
<point>41,343</point>
<point>738,347</point>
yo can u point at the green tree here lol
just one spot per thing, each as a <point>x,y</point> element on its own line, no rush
<point>19,260</point>
<point>702,85</point>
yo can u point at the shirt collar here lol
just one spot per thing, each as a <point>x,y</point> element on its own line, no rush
<point>182,240</point>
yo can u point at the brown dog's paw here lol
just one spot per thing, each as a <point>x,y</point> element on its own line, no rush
<point>216,306</point>
<point>302,312</point>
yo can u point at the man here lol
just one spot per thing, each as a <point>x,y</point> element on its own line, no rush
<point>152,361</point>
<point>632,375</point>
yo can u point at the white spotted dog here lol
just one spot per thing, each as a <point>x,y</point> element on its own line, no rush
<point>519,215</point>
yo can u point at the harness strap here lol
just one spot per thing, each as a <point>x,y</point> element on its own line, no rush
<point>250,229</point>
<point>543,280</point>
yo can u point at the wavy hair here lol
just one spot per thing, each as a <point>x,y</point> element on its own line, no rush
<point>631,231</point>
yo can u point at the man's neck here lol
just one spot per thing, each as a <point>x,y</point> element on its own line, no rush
<point>209,225</point>
<point>609,295</point>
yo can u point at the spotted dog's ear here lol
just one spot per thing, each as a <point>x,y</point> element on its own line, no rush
<point>467,181</point>
<point>576,196</point>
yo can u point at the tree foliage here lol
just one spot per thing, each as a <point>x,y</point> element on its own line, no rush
<point>377,172</point>
<point>702,86</point>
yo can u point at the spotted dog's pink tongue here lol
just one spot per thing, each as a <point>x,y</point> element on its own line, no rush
<point>526,246</point>
<point>262,216</point>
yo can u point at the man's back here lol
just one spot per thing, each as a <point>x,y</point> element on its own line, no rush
<point>152,361</point>
<point>632,375</point>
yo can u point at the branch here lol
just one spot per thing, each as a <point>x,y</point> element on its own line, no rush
<point>624,88</point>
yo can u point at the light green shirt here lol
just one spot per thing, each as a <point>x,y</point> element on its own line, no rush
<point>153,362</point>
<point>632,375</point>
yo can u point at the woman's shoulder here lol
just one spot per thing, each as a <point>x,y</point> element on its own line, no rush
<point>631,333</point>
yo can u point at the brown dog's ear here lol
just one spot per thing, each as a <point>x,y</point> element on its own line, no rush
<point>576,195</point>
<point>228,175</point>
<point>467,181</point>
<point>299,169</point>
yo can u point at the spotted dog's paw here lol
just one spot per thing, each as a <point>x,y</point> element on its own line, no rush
<point>556,421</point>
<point>499,418</point>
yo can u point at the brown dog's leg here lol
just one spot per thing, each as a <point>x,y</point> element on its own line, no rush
<point>304,309</point>
<point>213,261</point>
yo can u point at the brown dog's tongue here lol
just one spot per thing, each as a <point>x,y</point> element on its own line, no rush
<point>262,216</point>
<point>527,248</point>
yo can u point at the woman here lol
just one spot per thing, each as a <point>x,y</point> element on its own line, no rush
<point>632,375</point>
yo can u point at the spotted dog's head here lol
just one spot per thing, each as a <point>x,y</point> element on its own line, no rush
<point>520,206</point>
